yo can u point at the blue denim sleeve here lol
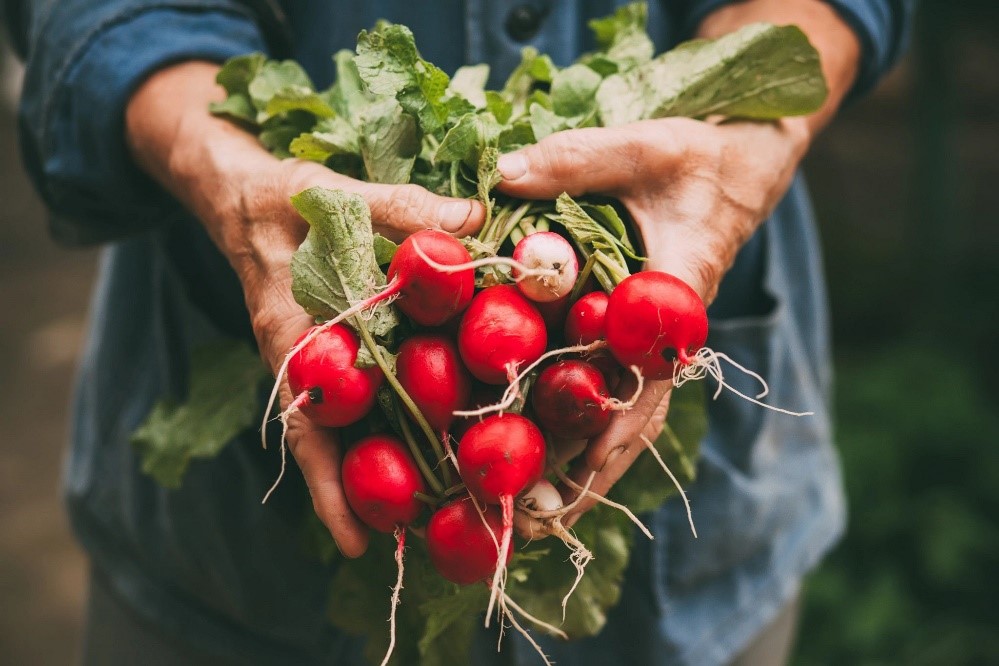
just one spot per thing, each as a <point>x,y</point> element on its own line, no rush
<point>881,25</point>
<point>85,59</point>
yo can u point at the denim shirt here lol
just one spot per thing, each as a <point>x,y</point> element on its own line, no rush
<point>210,565</point>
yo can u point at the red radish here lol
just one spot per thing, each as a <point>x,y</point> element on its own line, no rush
<point>570,398</point>
<point>546,251</point>
<point>329,390</point>
<point>586,320</point>
<point>654,319</point>
<point>499,459</point>
<point>380,478</point>
<point>428,296</point>
<point>585,323</point>
<point>429,368</point>
<point>499,332</point>
<point>461,547</point>
<point>658,325</point>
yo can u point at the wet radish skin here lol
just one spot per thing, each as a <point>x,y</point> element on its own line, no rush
<point>569,398</point>
<point>428,296</point>
<point>586,320</point>
<point>500,328</point>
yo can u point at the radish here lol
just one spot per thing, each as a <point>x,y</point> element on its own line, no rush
<point>328,389</point>
<point>546,251</point>
<point>380,479</point>
<point>381,482</point>
<point>586,319</point>
<point>431,371</point>
<point>462,542</point>
<point>657,324</point>
<point>499,332</point>
<point>586,323</point>
<point>499,459</point>
<point>429,296</point>
<point>570,398</point>
<point>654,319</point>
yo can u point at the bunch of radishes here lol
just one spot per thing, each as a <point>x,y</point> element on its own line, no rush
<point>540,351</point>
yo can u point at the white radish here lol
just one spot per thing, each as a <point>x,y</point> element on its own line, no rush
<point>548,252</point>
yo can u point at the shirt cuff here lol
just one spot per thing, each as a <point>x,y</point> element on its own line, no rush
<point>882,26</point>
<point>75,146</point>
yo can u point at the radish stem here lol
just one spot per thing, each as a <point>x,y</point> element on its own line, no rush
<point>417,415</point>
<point>584,275</point>
<point>421,462</point>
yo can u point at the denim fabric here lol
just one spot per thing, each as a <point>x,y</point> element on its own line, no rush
<point>212,567</point>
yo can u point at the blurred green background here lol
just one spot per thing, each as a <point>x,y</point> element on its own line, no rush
<point>906,184</point>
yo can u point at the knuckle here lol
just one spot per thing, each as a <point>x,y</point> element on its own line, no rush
<point>408,207</point>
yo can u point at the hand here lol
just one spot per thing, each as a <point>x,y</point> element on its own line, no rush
<point>697,191</point>
<point>241,194</point>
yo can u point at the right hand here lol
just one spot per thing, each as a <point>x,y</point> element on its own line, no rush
<point>241,194</point>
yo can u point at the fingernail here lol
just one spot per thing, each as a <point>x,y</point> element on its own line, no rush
<point>512,166</point>
<point>454,214</point>
<point>611,457</point>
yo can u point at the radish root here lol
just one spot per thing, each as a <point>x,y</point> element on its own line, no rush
<point>295,405</point>
<point>400,539</point>
<point>523,272</point>
<point>707,362</point>
<point>513,390</point>
<point>564,478</point>
<point>624,405</point>
<point>498,585</point>
<point>676,482</point>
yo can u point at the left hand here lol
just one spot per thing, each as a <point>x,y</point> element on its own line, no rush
<point>696,191</point>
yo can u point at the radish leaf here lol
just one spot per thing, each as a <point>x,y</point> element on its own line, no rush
<point>221,402</point>
<point>335,266</point>
<point>760,72</point>
<point>388,142</point>
<point>573,90</point>
<point>622,39</point>
<point>388,62</point>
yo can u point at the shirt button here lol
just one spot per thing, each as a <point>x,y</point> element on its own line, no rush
<point>523,22</point>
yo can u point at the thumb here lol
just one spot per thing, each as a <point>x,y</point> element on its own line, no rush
<point>400,210</point>
<point>596,159</point>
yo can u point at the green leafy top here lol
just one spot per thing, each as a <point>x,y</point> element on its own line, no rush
<point>336,266</point>
<point>221,402</point>
<point>393,117</point>
<point>760,72</point>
